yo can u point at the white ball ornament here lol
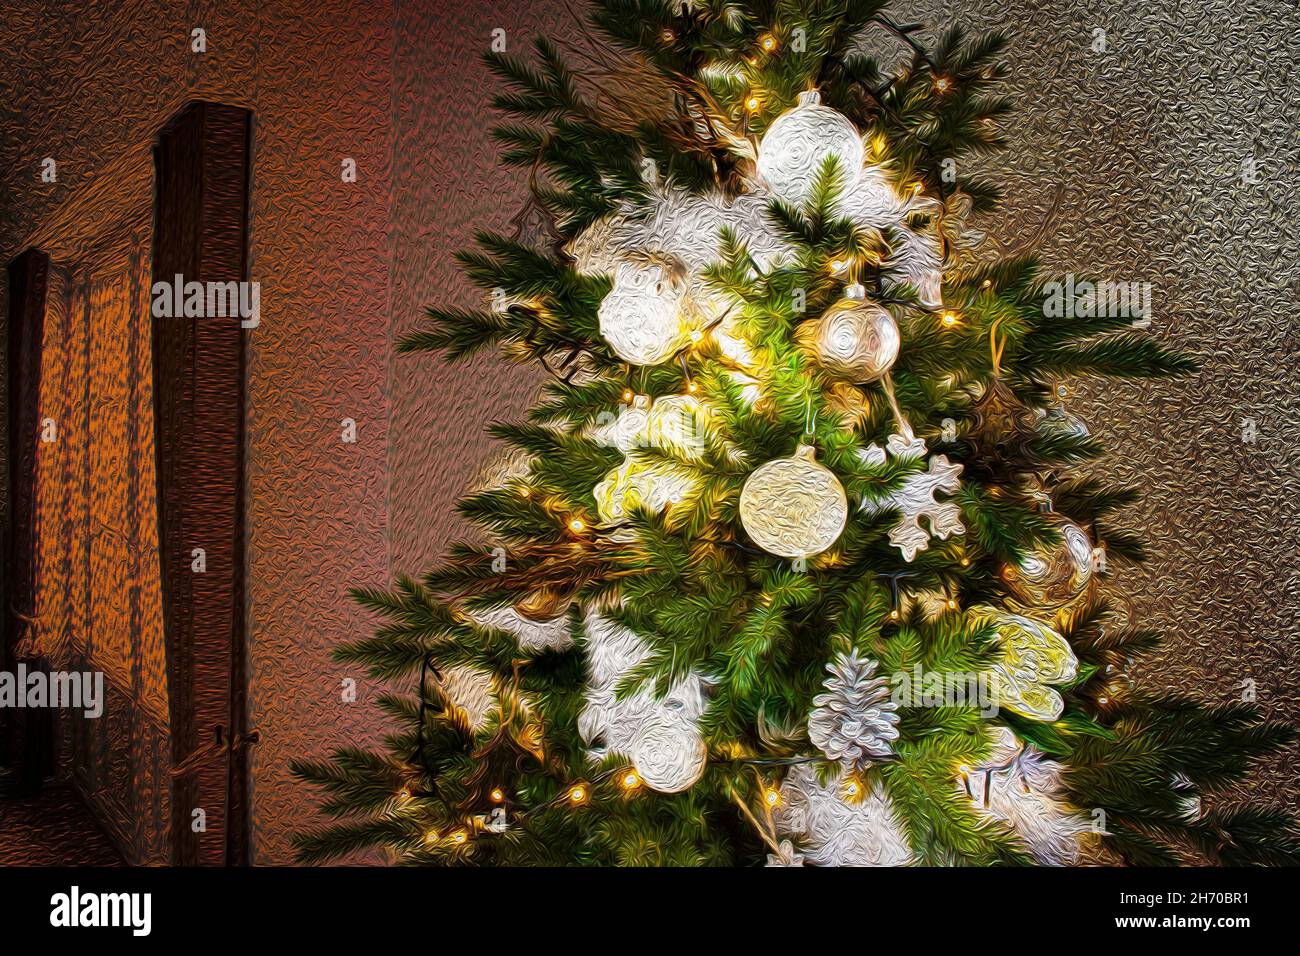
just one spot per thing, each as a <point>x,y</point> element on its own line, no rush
<point>854,340</point>
<point>796,146</point>
<point>793,507</point>
<point>669,757</point>
<point>641,317</point>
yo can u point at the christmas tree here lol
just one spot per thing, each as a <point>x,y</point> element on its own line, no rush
<point>797,558</point>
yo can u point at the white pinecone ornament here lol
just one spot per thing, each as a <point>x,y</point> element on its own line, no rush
<point>854,721</point>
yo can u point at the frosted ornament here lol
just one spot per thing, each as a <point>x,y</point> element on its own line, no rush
<point>641,317</point>
<point>793,507</point>
<point>797,144</point>
<point>854,339</point>
<point>669,758</point>
<point>1033,657</point>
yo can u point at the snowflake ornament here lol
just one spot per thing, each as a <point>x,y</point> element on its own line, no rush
<point>915,499</point>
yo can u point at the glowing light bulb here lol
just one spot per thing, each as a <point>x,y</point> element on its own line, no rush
<point>577,525</point>
<point>943,84</point>
<point>952,605</point>
<point>964,562</point>
<point>851,789</point>
<point>460,836</point>
<point>578,794</point>
<point>753,103</point>
<point>949,318</point>
<point>772,798</point>
<point>628,396</point>
<point>431,837</point>
<point>692,387</point>
<point>697,335</point>
<point>498,795</point>
<point>893,615</point>
<point>987,284</point>
<point>767,42</point>
<point>630,780</point>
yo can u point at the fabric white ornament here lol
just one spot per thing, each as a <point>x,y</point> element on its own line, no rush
<point>660,736</point>
<point>916,259</point>
<point>1020,787</point>
<point>855,340</point>
<point>834,829</point>
<point>855,721</point>
<point>798,143</point>
<point>532,635</point>
<point>871,202</point>
<point>650,486</point>
<point>915,499</point>
<point>674,424</point>
<point>680,226</point>
<point>642,316</point>
<point>1033,657</point>
<point>622,429</point>
<point>793,507</point>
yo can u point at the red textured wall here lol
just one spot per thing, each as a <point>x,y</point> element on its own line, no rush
<point>318,80</point>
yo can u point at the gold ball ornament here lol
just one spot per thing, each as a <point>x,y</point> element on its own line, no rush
<point>855,340</point>
<point>1057,574</point>
<point>793,507</point>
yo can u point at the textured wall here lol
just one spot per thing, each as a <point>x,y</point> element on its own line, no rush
<point>1146,144</point>
<point>447,186</point>
<point>1143,145</point>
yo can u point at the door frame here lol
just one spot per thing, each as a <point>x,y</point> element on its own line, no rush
<point>26,736</point>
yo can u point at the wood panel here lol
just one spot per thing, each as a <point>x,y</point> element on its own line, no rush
<point>200,233</point>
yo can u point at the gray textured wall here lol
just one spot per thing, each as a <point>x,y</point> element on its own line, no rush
<point>1147,143</point>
